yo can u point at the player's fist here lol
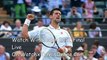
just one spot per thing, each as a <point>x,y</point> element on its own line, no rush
<point>30,16</point>
<point>38,49</point>
<point>61,50</point>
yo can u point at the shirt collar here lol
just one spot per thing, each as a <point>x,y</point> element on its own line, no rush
<point>50,26</point>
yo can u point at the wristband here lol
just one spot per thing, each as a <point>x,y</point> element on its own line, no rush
<point>66,50</point>
<point>27,22</point>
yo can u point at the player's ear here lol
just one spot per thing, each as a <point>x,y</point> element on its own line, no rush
<point>50,16</point>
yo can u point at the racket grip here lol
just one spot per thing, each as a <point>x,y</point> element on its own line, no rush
<point>67,57</point>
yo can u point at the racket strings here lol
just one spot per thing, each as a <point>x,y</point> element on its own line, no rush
<point>47,38</point>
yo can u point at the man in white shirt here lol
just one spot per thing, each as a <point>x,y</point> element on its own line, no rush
<point>63,38</point>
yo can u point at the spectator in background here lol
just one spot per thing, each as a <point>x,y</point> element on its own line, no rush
<point>101,58</point>
<point>80,52</point>
<point>90,55</point>
<point>39,25</point>
<point>45,17</point>
<point>94,31</point>
<point>29,5</point>
<point>3,54</point>
<point>78,31</point>
<point>84,1</point>
<point>43,4</point>
<point>88,20</point>
<point>89,9</point>
<point>76,56</point>
<point>85,47</point>
<point>37,12</point>
<point>19,55</point>
<point>17,29</point>
<point>65,7</point>
<point>94,49</point>
<point>20,8</point>
<point>78,4</point>
<point>29,2</point>
<point>73,14</point>
<point>105,16</point>
<point>6,26</point>
<point>100,48</point>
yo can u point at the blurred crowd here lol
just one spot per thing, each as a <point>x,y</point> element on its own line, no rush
<point>72,10</point>
<point>96,52</point>
<point>7,31</point>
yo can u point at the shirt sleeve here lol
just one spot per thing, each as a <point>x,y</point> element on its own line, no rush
<point>99,29</point>
<point>90,34</point>
<point>33,34</point>
<point>69,41</point>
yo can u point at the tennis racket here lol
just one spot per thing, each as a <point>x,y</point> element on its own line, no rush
<point>48,39</point>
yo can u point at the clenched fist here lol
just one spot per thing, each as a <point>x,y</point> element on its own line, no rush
<point>30,16</point>
<point>61,50</point>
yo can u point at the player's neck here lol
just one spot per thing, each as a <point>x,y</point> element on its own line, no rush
<point>56,26</point>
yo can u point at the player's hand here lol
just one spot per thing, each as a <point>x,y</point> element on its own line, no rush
<point>61,50</point>
<point>38,49</point>
<point>30,16</point>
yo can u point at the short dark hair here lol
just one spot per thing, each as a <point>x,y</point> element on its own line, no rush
<point>93,25</point>
<point>51,12</point>
<point>83,45</point>
<point>96,42</point>
<point>6,22</point>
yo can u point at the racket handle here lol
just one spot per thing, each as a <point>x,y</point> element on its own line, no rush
<point>67,57</point>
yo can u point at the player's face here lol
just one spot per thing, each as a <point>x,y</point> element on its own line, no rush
<point>56,16</point>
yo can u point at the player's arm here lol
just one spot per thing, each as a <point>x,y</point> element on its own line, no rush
<point>26,25</point>
<point>38,48</point>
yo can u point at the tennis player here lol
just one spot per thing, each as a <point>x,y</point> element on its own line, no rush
<point>62,36</point>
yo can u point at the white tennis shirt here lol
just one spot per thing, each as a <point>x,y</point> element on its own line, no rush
<point>63,39</point>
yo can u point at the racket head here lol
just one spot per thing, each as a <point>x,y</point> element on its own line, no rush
<point>46,37</point>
